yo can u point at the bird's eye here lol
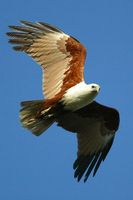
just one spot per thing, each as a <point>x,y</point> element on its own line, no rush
<point>93,86</point>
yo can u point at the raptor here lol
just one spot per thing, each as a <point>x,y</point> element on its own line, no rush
<point>69,101</point>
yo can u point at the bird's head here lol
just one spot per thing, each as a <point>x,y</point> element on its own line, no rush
<point>93,90</point>
<point>94,87</point>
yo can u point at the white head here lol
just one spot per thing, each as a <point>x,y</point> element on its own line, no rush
<point>94,87</point>
<point>93,90</point>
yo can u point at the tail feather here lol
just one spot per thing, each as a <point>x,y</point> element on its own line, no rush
<point>34,118</point>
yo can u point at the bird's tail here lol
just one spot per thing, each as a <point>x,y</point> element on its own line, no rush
<point>35,117</point>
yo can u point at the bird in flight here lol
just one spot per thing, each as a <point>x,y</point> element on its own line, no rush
<point>69,101</point>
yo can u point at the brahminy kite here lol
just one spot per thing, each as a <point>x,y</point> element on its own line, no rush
<point>69,101</point>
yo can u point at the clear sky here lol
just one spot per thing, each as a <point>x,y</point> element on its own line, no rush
<point>39,168</point>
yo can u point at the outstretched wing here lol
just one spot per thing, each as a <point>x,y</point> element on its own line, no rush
<point>95,126</point>
<point>62,57</point>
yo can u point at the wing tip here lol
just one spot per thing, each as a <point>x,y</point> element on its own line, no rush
<point>90,164</point>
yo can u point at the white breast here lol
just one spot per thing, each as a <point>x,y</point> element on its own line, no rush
<point>78,96</point>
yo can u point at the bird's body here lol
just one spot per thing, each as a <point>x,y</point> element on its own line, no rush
<point>69,101</point>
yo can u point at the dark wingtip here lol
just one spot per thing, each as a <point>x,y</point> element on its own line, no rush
<point>27,23</point>
<point>79,178</point>
<point>75,164</point>
<point>22,21</point>
<point>85,179</point>
<point>11,27</point>
<point>8,33</point>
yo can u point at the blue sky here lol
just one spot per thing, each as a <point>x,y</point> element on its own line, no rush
<point>41,168</point>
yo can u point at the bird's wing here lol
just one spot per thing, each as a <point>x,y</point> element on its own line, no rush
<point>95,126</point>
<point>62,57</point>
